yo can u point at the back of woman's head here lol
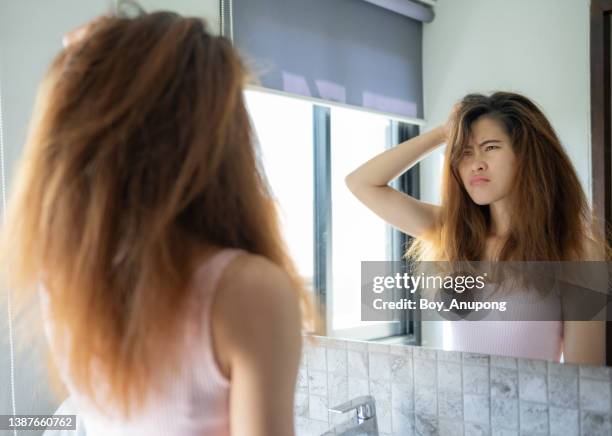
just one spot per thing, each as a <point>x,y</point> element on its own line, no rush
<point>550,218</point>
<point>139,156</point>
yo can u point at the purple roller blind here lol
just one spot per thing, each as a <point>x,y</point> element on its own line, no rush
<point>347,51</point>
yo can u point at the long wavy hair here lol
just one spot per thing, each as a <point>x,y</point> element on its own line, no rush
<point>139,158</point>
<point>550,216</point>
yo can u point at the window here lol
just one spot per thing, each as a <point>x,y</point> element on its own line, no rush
<point>307,150</point>
<point>284,129</point>
<point>357,233</point>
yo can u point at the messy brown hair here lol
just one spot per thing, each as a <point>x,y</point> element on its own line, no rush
<point>550,216</point>
<point>140,155</point>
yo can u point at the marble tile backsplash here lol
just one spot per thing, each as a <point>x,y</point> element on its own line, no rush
<point>421,391</point>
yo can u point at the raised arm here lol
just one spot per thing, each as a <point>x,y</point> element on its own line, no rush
<point>370,184</point>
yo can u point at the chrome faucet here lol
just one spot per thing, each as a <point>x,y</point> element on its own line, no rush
<point>363,423</point>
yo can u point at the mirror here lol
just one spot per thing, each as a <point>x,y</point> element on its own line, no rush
<point>466,48</point>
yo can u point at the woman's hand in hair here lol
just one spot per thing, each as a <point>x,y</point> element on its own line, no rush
<point>451,120</point>
<point>80,32</point>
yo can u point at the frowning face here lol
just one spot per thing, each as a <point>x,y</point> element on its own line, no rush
<point>488,164</point>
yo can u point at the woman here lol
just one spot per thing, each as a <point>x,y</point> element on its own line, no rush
<point>502,155</point>
<point>171,305</point>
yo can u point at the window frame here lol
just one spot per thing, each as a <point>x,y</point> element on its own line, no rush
<point>407,329</point>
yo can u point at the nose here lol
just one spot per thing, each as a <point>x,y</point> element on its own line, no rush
<point>478,165</point>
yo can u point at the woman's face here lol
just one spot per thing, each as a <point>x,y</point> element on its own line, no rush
<point>487,167</point>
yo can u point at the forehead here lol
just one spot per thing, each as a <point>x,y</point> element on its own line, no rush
<point>485,128</point>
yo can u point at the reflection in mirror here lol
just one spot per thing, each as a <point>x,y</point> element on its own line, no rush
<point>547,219</point>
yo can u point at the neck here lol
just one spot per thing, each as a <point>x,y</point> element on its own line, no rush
<point>500,219</point>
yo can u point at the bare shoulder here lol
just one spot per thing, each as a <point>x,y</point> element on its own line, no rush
<point>256,277</point>
<point>436,211</point>
<point>255,300</point>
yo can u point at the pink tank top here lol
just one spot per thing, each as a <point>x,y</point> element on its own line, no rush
<point>196,401</point>
<point>541,338</point>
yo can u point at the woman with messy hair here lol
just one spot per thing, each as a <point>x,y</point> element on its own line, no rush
<point>509,193</point>
<point>170,302</point>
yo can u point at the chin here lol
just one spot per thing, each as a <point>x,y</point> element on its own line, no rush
<point>480,201</point>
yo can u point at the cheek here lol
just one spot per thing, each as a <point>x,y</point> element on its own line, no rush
<point>463,172</point>
<point>505,171</point>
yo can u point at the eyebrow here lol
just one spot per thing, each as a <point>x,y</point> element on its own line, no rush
<point>488,141</point>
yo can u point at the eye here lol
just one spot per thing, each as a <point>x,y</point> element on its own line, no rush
<point>490,146</point>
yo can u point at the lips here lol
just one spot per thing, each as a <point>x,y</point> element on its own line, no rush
<point>478,180</point>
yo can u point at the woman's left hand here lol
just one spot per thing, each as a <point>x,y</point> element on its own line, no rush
<point>80,32</point>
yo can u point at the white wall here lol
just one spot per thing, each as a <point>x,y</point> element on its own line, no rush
<point>30,36</point>
<point>539,48</point>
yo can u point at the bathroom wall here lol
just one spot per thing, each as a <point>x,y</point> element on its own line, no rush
<point>538,48</point>
<point>422,391</point>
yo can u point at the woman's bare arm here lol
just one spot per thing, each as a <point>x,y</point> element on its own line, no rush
<point>370,184</point>
<point>584,342</point>
<point>258,325</point>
